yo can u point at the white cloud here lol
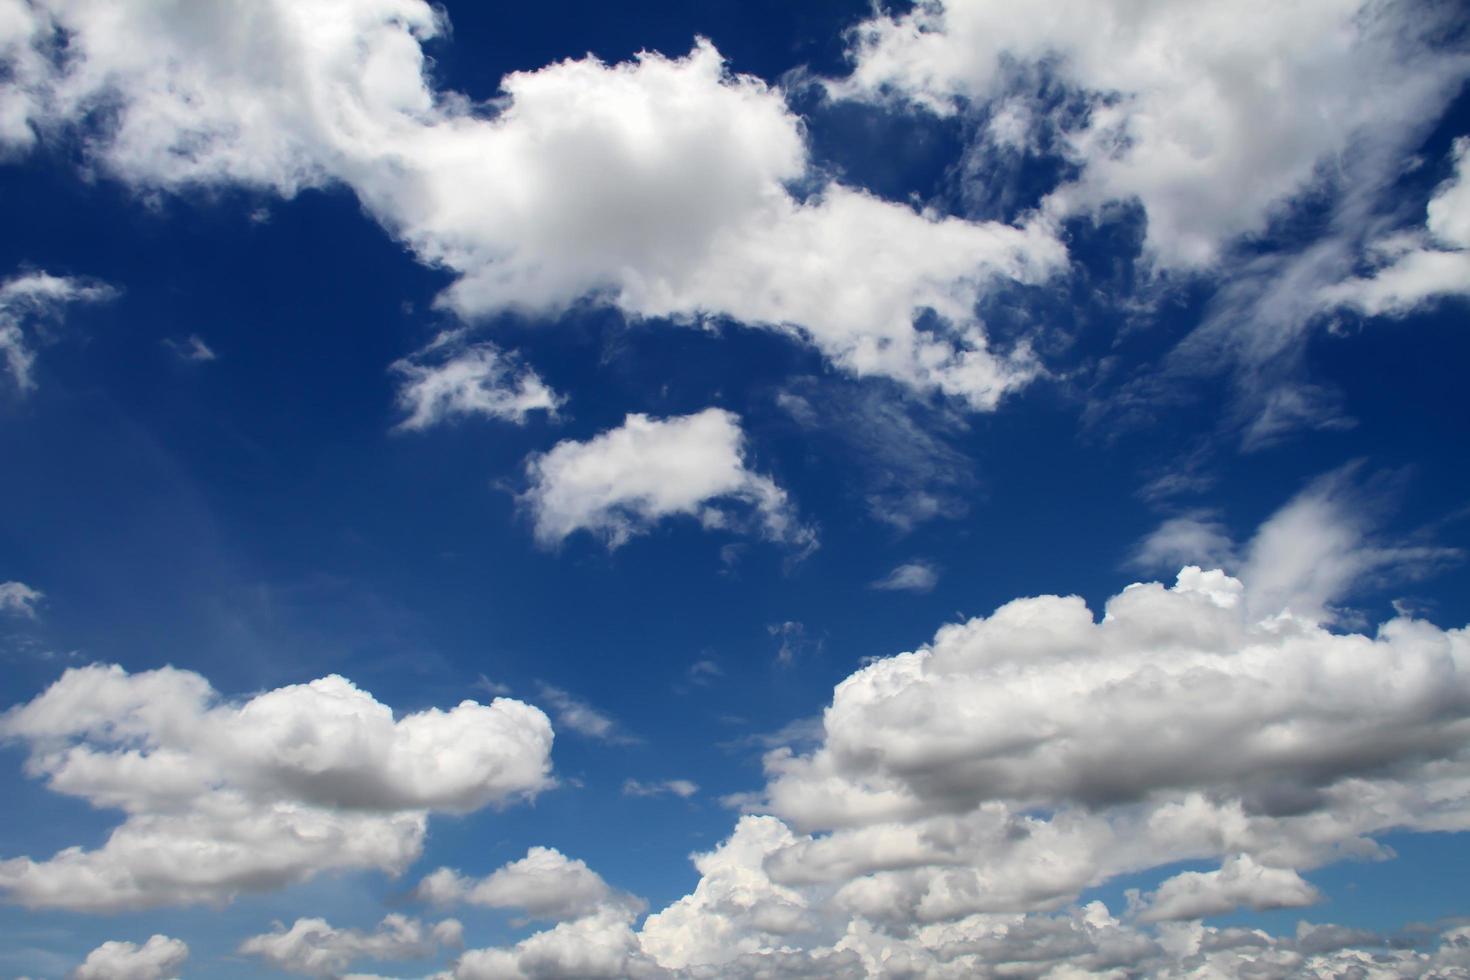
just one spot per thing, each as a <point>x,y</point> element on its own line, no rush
<point>545,884</point>
<point>1416,268</point>
<point>1196,538</point>
<point>657,186</point>
<point>682,788</point>
<point>313,947</point>
<point>191,349</point>
<point>914,576</point>
<point>1310,554</point>
<point>19,599</point>
<point>222,797</point>
<point>32,300</point>
<point>599,946</point>
<point>1239,882</point>
<point>577,715</point>
<point>1213,114</point>
<point>158,958</point>
<point>622,482</point>
<point>450,379</point>
<point>963,792</point>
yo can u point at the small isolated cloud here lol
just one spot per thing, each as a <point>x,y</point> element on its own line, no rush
<point>794,641</point>
<point>577,715</point>
<point>19,599</point>
<point>545,884</point>
<point>29,304</point>
<point>704,672</point>
<point>681,788</point>
<point>914,576</point>
<point>221,797</point>
<point>191,349</point>
<point>314,948</point>
<point>452,380</point>
<point>622,482</point>
<point>1239,882</point>
<point>157,959</point>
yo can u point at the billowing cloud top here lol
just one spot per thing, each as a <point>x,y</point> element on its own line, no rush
<point>222,797</point>
<point>621,482</point>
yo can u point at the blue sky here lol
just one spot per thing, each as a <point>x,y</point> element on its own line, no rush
<point>657,490</point>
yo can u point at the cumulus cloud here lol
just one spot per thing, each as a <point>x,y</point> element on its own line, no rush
<point>660,186</point>
<point>1239,882</point>
<point>451,379</point>
<point>682,788</point>
<point>19,599</point>
<point>1415,268</point>
<point>30,302</point>
<point>962,793</point>
<point>314,948</point>
<point>221,797</point>
<point>914,576</point>
<point>1210,114</point>
<point>619,484</point>
<point>158,958</point>
<point>545,884</point>
<point>959,794</point>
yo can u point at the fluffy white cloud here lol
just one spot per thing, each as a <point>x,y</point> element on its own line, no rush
<point>599,946</point>
<point>222,797</point>
<point>1238,882</point>
<point>315,948</point>
<point>30,301</point>
<point>961,792</point>
<point>545,884</point>
<point>1418,267</point>
<point>19,599</point>
<point>160,957</point>
<point>620,483</point>
<point>450,379</point>
<point>1210,113</point>
<point>659,186</point>
<point>914,576</point>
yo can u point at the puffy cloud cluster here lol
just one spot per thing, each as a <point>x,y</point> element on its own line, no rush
<point>545,884</point>
<point>313,947</point>
<point>1212,114</point>
<point>221,797</point>
<point>963,792</point>
<point>1239,883</point>
<point>660,186</point>
<point>1417,267</point>
<point>31,300</point>
<point>158,958</point>
<point>451,379</point>
<point>622,482</point>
